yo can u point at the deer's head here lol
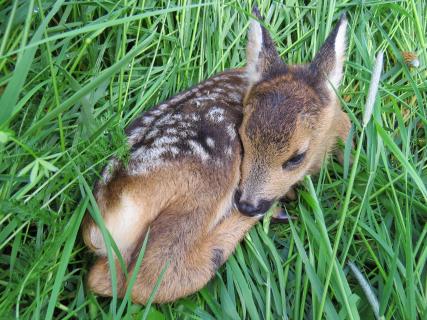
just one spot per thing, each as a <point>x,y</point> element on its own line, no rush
<point>287,115</point>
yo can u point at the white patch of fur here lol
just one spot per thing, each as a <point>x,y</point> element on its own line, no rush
<point>109,169</point>
<point>174,150</point>
<point>216,114</point>
<point>167,119</point>
<point>335,76</point>
<point>147,119</point>
<point>121,225</point>
<point>156,112</point>
<point>218,90</point>
<point>185,125</point>
<point>231,131</point>
<point>253,50</point>
<point>165,140</point>
<point>210,142</point>
<point>152,133</point>
<point>171,131</point>
<point>136,135</point>
<point>198,150</point>
<point>194,117</point>
<point>201,99</point>
<point>177,116</point>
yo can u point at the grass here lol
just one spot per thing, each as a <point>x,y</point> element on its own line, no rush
<point>73,74</point>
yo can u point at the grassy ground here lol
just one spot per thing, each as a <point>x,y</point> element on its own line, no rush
<point>74,73</point>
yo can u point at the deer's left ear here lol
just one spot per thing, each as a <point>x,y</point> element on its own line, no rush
<point>329,61</point>
<point>261,53</point>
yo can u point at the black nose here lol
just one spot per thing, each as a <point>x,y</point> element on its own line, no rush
<point>249,209</point>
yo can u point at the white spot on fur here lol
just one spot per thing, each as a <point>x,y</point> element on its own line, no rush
<point>177,116</point>
<point>156,112</point>
<point>216,114</point>
<point>202,99</point>
<point>198,150</point>
<point>166,119</point>
<point>231,131</point>
<point>152,133</point>
<point>171,131</point>
<point>174,150</point>
<point>210,142</point>
<point>147,119</point>
<point>194,117</point>
<point>109,169</point>
<point>136,135</point>
<point>165,140</point>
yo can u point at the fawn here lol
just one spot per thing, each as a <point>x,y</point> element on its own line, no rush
<point>206,165</point>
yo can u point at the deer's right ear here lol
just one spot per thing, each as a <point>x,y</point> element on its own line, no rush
<point>261,53</point>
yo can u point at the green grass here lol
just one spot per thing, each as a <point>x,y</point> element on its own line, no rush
<point>73,74</point>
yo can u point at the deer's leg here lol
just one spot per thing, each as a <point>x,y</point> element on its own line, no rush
<point>185,274</point>
<point>189,271</point>
<point>126,216</point>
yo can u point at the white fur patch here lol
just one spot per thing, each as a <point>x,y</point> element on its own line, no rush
<point>109,169</point>
<point>171,131</point>
<point>156,112</point>
<point>152,133</point>
<point>231,131</point>
<point>165,140</point>
<point>147,119</point>
<point>210,142</point>
<point>194,117</point>
<point>121,223</point>
<point>136,135</point>
<point>216,114</point>
<point>198,150</point>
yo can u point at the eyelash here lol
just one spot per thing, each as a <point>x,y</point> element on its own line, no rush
<point>294,161</point>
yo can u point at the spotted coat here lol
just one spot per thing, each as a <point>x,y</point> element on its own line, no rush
<point>200,123</point>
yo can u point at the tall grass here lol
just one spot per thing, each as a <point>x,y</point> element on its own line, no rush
<point>73,74</point>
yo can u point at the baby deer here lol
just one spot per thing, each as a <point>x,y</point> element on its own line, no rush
<point>207,164</point>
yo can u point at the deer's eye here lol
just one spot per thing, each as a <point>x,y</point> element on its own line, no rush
<point>294,161</point>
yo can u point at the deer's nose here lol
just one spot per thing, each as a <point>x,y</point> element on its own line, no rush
<point>248,208</point>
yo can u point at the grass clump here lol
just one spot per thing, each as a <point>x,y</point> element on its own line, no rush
<point>73,74</point>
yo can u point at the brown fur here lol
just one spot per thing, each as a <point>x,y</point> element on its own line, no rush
<point>289,110</point>
<point>186,164</point>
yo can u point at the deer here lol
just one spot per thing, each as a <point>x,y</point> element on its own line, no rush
<point>206,165</point>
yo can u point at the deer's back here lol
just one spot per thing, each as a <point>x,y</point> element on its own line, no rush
<point>199,124</point>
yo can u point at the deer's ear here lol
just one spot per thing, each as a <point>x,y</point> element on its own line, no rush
<point>261,53</point>
<point>329,61</point>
